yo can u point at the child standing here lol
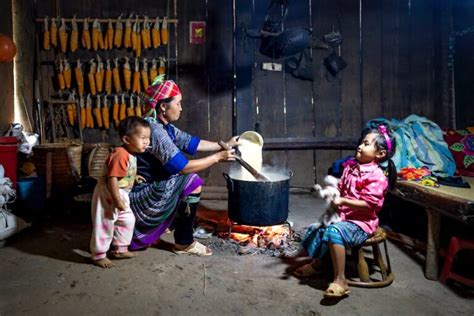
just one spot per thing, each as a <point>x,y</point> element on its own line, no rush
<point>362,186</point>
<point>112,218</point>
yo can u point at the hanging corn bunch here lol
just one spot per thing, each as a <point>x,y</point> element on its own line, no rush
<point>105,113</point>
<point>74,34</point>
<point>79,78</point>
<point>54,32</point>
<point>127,38</point>
<point>144,74</point>
<point>164,31</point>
<point>89,119</point>
<point>60,70</point>
<point>97,113</point>
<point>83,113</point>
<point>63,35</point>
<point>116,76</point>
<point>86,35</point>
<point>130,109</point>
<point>123,108</point>
<point>145,34</point>
<point>99,75</point>
<point>153,70</point>
<point>155,33</point>
<point>67,73</point>
<point>138,107</point>
<point>127,74</point>
<point>110,34</point>
<point>115,111</point>
<point>46,37</point>
<point>118,32</point>
<point>136,77</point>
<point>108,78</point>
<point>162,68</point>
<point>91,77</point>
<point>138,52</point>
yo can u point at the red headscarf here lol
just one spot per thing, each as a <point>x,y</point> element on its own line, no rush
<point>155,93</point>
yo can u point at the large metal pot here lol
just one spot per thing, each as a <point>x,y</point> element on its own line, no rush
<point>258,203</point>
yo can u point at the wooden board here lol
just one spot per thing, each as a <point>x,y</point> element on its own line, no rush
<point>6,72</point>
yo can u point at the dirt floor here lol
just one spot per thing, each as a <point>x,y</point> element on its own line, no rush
<point>45,270</point>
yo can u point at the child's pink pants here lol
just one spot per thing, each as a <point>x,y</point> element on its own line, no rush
<point>110,226</point>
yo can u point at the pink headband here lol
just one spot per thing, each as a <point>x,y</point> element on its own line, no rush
<point>383,131</point>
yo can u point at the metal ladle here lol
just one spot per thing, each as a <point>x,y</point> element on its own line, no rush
<point>257,175</point>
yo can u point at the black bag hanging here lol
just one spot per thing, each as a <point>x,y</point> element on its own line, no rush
<point>334,63</point>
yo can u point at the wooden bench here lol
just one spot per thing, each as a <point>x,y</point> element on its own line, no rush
<point>457,203</point>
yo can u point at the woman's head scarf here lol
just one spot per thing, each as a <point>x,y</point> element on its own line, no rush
<point>160,90</point>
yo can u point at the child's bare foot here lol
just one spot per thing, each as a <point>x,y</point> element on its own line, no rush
<point>104,263</point>
<point>123,255</point>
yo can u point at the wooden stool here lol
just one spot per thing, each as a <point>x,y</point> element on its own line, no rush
<point>456,244</point>
<point>384,269</point>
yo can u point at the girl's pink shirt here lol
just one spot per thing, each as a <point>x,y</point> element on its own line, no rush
<point>365,182</point>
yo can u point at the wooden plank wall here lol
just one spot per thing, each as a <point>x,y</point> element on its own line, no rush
<point>6,70</point>
<point>392,47</point>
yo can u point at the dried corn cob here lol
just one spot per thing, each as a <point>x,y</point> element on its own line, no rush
<point>115,112</point>
<point>74,107</point>
<point>127,74</point>
<point>153,70</point>
<point>46,35</point>
<point>54,32</point>
<point>136,77</point>
<point>134,35</point>
<point>83,113</point>
<point>127,38</point>
<point>118,32</point>
<point>162,68</point>
<point>61,82</point>
<point>74,35</point>
<point>123,108</point>
<point>63,35</point>
<point>67,73</point>
<point>79,78</point>
<point>95,34</point>
<point>145,34</point>
<point>91,77</point>
<point>110,34</point>
<point>130,109</point>
<point>138,51</point>
<point>116,76</point>
<point>98,113</point>
<point>70,114</point>
<point>99,75</point>
<point>102,41</point>
<point>164,31</point>
<point>86,35</point>
<point>108,78</point>
<point>138,107</point>
<point>155,33</point>
<point>105,113</point>
<point>144,74</point>
<point>89,119</point>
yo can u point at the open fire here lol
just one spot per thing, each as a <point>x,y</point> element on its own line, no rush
<point>273,237</point>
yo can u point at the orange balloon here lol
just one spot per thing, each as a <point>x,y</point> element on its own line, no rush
<point>7,48</point>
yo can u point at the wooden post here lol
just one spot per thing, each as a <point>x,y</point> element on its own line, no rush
<point>432,249</point>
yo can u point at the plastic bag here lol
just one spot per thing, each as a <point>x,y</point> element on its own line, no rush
<point>26,140</point>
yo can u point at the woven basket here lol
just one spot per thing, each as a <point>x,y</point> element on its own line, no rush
<point>65,162</point>
<point>96,160</point>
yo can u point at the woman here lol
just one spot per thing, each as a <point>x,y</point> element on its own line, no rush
<point>172,189</point>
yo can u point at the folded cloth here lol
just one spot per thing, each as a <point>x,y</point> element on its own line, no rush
<point>454,182</point>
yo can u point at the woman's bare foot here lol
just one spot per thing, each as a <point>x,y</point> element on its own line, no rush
<point>104,263</point>
<point>123,255</point>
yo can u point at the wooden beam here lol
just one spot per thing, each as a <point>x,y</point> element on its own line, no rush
<point>335,143</point>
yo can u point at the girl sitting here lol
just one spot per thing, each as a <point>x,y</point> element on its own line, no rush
<point>362,186</point>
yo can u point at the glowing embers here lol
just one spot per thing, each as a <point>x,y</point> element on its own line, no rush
<point>270,237</point>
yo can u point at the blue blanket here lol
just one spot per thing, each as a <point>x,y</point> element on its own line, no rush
<point>420,143</point>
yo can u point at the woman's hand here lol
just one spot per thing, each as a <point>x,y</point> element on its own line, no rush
<point>233,142</point>
<point>139,179</point>
<point>226,155</point>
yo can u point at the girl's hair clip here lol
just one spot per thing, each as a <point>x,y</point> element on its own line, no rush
<point>383,131</point>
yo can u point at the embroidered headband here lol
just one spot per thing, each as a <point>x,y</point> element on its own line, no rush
<point>382,129</point>
<point>160,89</point>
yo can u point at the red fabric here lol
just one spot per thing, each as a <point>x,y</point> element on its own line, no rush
<point>461,145</point>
